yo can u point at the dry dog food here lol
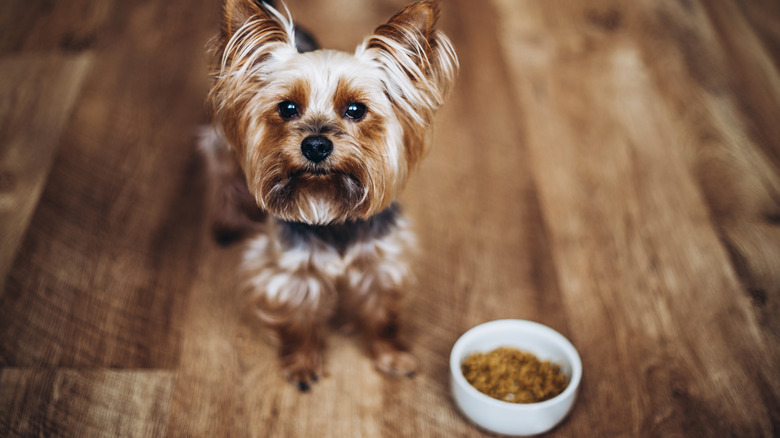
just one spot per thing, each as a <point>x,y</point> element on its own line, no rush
<point>514,376</point>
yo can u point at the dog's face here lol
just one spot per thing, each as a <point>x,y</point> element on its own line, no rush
<point>327,136</point>
<point>323,142</point>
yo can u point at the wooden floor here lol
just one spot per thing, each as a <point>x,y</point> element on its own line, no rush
<point>608,168</point>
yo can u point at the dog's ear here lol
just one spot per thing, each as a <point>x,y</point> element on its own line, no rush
<point>411,33</point>
<point>238,12</point>
<point>410,44</point>
<point>414,24</point>
<point>250,29</point>
<point>419,64</point>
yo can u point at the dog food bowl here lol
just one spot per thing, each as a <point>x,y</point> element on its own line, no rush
<point>506,418</point>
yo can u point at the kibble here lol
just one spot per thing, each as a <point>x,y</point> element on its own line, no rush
<point>514,376</point>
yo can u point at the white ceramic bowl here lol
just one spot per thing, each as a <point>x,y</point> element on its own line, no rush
<point>514,418</point>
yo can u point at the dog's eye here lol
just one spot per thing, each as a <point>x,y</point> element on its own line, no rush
<point>288,110</point>
<point>355,111</point>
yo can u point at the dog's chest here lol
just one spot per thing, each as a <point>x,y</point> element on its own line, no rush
<point>353,249</point>
<point>342,237</point>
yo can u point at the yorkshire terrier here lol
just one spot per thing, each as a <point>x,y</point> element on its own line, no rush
<point>309,152</point>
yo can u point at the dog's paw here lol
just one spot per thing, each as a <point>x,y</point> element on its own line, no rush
<point>303,379</point>
<point>394,362</point>
<point>303,369</point>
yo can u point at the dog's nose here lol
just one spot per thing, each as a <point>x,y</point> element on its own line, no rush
<point>316,148</point>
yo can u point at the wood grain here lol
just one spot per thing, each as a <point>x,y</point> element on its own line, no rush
<point>36,99</point>
<point>85,403</point>
<point>610,169</point>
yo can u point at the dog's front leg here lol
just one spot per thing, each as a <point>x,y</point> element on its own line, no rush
<point>294,301</point>
<point>301,349</point>
<point>384,342</point>
<point>374,296</point>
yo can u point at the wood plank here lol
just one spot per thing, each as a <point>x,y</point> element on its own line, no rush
<point>81,403</point>
<point>741,178</point>
<point>754,72</point>
<point>610,157</point>
<point>735,163</point>
<point>36,99</point>
<point>209,397</point>
<point>46,26</point>
<point>110,254</point>
<point>763,17</point>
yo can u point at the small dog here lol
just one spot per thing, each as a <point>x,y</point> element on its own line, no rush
<point>309,153</point>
